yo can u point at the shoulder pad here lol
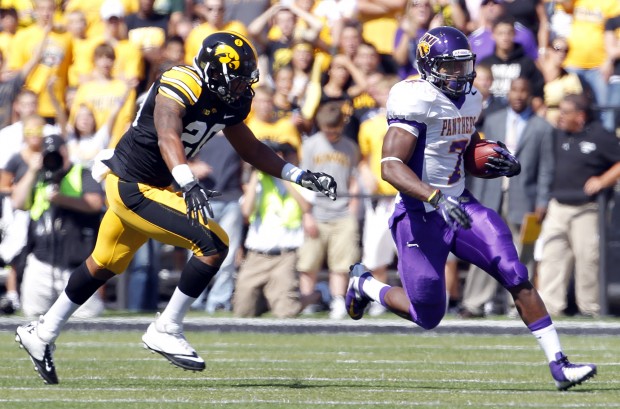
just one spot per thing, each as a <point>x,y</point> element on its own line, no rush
<point>411,100</point>
<point>182,84</point>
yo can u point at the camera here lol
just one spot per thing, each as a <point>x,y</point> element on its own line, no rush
<point>52,158</point>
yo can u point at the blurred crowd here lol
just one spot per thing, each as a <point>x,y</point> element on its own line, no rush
<point>72,74</point>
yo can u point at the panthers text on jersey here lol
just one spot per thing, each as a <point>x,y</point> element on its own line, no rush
<point>443,128</point>
<point>137,157</point>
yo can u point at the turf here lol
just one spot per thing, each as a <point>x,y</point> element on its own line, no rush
<point>250,370</point>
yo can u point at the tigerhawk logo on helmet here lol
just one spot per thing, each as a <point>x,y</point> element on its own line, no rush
<point>227,55</point>
<point>227,64</point>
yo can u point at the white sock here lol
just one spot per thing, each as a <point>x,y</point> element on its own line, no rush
<point>372,288</point>
<point>177,308</point>
<point>55,318</point>
<point>12,295</point>
<point>549,341</point>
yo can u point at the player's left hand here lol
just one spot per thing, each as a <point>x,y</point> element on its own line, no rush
<point>319,182</point>
<point>507,165</point>
<point>197,202</point>
<point>451,209</point>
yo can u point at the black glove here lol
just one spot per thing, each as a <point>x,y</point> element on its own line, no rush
<point>449,207</point>
<point>318,182</point>
<point>507,165</point>
<point>197,202</point>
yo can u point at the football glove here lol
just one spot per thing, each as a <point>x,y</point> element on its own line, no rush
<point>449,207</point>
<point>507,165</point>
<point>197,202</point>
<point>318,182</point>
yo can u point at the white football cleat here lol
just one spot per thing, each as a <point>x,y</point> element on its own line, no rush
<point>40,352</point>
<point>169,341</point>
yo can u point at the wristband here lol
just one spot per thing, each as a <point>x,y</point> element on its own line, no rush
<point>183,175</point>
<point>434,198</point>
<point>291,172</point>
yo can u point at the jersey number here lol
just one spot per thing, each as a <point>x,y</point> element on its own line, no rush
<point>196,134</point>
<point>457,147</point>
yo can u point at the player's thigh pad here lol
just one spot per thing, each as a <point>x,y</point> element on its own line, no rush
<point>117,242</point>
<point>422,249</point>
<point>489,245</point>
<point>160,214</point>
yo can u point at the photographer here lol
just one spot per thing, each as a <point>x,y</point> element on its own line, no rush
<point>15,222</point>
<point>65,205</point>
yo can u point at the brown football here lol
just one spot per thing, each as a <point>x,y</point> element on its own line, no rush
<point>476,156</point>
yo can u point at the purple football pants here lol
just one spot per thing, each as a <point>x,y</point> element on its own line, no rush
<point>424,240</point>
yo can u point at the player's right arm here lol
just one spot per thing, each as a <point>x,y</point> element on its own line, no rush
<point>398,146</point>
<point>179,88</point>
<point>168,117</point>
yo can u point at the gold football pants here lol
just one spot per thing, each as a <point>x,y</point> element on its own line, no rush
<point>137,212</point>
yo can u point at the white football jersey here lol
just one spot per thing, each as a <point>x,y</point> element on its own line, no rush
<point>443,128</point>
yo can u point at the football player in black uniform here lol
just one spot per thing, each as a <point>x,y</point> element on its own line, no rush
<point>183,109</point>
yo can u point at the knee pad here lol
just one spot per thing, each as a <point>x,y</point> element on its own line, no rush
<point>428,316</point>
<point>512,273</point>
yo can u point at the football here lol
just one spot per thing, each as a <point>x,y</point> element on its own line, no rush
<point>476,156</point>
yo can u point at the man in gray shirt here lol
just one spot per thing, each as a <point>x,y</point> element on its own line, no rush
<point>331,227</point>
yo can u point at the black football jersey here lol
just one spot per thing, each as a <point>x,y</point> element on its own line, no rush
<point>137,157</point>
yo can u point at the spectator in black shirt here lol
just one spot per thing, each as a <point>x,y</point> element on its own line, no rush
<point>587,161</point>
<point>509,61</point>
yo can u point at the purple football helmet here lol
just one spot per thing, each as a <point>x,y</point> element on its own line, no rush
<point>444,59</point>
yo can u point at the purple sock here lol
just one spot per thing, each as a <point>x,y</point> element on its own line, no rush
<point>382,293</point>
<point>544,322</point>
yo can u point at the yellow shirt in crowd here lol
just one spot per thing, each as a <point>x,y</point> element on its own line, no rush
<point>586,44</point>
<point>56,59</point>
<point>25,10</point>
<point>128,63</point>
<point>5,43</point>
<point>370,139</point>
<point>101,97</point>
<point>280,131</point>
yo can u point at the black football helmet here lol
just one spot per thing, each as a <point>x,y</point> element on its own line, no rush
<point>227,63</point>
<point>444,58</point>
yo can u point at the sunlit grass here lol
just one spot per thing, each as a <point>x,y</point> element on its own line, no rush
<point>250,370</point>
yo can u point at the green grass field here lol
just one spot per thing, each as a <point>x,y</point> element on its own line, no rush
<point>103,369</point>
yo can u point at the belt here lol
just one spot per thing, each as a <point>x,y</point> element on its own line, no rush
<point>274,252</point>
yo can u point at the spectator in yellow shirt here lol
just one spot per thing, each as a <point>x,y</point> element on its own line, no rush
<point>586,46</point>
<point>264,123</point>
<point>56,58</point>
<point>8,23</point>
<point>103,93</point>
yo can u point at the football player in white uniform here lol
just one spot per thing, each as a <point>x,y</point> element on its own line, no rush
<point>431,124</point>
